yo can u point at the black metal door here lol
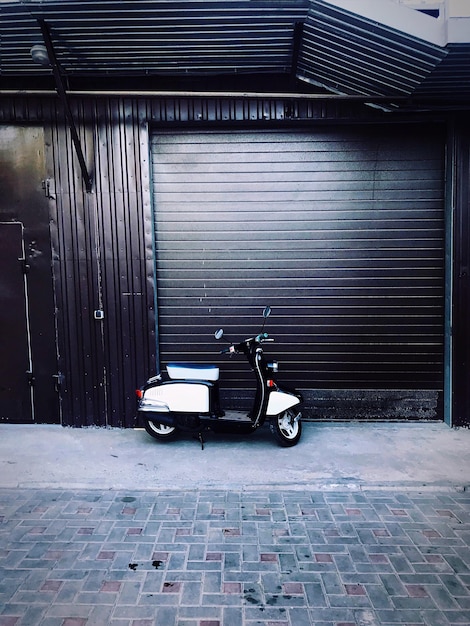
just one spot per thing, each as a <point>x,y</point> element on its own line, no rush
<point>16,381</point>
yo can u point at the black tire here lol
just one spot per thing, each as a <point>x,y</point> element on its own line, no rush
<point>160,431</point>
<point>286,429</point>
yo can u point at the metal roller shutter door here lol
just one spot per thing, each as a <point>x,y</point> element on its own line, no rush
<point>341,231</point>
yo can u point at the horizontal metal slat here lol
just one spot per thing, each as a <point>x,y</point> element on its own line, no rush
<point>361,275</point>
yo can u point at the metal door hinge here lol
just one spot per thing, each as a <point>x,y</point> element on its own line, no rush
<point>25,266</point>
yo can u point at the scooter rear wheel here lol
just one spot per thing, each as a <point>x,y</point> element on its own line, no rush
<point>286,429</point>
<point>160,431</point>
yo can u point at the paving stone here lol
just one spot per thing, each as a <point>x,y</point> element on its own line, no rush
<point>280,558</point>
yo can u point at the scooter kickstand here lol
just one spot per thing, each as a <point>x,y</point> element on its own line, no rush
<point>199,436</point>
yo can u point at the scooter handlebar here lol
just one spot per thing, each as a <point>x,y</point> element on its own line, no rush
<point>232,349</point>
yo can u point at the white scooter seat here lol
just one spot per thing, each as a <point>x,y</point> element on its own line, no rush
<point>192,371</point>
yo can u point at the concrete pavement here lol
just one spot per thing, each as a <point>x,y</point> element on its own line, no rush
<point>402,455</point>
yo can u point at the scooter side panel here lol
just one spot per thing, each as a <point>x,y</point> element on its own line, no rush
<point>280,401</point>
<point>179,397</point>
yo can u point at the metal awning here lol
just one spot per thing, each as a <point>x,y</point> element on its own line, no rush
<point>370,47</point>
<point>375,48</point>
<point>145,37</point>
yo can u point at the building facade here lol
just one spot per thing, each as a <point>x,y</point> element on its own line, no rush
<point>182,211</point>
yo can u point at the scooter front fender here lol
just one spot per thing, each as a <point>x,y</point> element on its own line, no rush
<point>279,401</point>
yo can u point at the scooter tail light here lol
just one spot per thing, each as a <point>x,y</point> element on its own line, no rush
<point>139,393</point>
<point>271,383</point>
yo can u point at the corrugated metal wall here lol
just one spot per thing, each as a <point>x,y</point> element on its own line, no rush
<point>341,231</point>
<point>103,262</point>
<point>103,242</point>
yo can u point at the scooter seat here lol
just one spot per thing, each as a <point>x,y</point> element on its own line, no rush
<point>192,371</point>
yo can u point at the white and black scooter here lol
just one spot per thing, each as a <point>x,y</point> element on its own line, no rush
<point>189,399</point>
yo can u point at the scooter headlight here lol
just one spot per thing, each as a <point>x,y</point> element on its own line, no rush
<point>273,366</point>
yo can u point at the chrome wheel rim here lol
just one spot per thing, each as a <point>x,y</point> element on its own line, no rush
<point>288,425</point>
<point>161,429</point>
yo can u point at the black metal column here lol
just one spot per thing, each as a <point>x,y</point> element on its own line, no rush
<point>461,277</point>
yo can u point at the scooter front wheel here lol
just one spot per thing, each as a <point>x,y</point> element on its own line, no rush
<point>286,428</point>
<point>159,430</point>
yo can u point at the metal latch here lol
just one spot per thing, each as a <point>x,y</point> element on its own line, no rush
<point>59,379</point>
<point>47,185</point>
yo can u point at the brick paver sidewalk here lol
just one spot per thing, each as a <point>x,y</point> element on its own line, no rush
<point>225,558</point>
